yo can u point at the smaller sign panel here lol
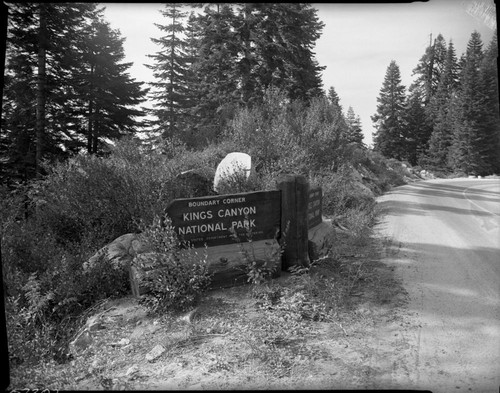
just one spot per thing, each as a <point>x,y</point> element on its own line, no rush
<point>209,220</point>
<point>315,207</point>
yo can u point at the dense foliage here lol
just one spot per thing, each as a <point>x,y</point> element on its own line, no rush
<point>449,121</point>
<point>225,57</point>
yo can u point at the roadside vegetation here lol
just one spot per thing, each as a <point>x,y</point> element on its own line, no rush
<point>52,226</point>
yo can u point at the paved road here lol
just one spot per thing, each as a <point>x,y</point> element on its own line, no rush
<point>443,239</point>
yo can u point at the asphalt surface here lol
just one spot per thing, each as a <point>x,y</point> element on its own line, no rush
<point>443,240</point>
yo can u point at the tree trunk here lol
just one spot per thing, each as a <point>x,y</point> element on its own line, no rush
<point>41,87</point>
<point>95,136</point>
<point>90,128</point>
<point>91,113</point>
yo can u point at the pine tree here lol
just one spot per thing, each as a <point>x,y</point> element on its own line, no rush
<point>440,118</point>
<point>245,28</point>
<point>235,52</point>
<point>216,68</point>
<point>389,119</point>
<point>490,122</point>
<point>52,49</point>
<point>171,92</point>
<point>354,130</point>
<point>416,128</point>
<point>18,143</point>
<point>287,35</point>
<point>41,39</point>
<point>111,94</point>
<point>468,153</point>
<point>430,68</point>
<point>334,98</point>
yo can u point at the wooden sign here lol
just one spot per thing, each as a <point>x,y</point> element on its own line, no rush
<point>208,220</point>
<point>315,207</point>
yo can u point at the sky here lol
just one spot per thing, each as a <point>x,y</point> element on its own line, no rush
<point>358,41</point>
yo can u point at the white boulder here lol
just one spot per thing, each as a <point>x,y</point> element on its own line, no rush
<point>233,171</point>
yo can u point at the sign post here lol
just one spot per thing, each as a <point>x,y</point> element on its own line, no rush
<point>294,220</point>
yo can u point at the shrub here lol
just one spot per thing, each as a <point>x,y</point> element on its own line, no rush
<point>97,199</point>
<point>174,277</point>
<point>258,271</point>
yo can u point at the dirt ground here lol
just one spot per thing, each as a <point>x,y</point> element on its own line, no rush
<point>232,341</point>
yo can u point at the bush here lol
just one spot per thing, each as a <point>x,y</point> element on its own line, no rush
<point>290,137</point>
<point>97,199</point>
<point>174,277</point>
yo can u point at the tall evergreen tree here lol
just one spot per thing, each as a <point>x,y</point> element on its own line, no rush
<point>440,118</point>
<point>245,27</point>
<point>51,48</point>
<point>354,130</point>
<point>334,98</point>
<point>416,130</point>
<point>468,153</point>
<point>389,119</point>
<point>490,122</point>
<point>430,68</point>
<point>287,35</point>
<point>216,69</point>
<point>41,36</point>
<point>111,94</point>
<point>171,92</point>
<point>234,53</point>
<point>19,99</point>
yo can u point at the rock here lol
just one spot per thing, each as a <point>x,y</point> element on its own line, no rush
<point>132,370</point>
<point>82,341</point>
<point>119,252</point>
<point>233,171</point>
<point>188,317</point>
<point>155,353</point>
<point>195,183</point>
<point>321,239</point>
<point>95,323</point>
<point>123,342</point>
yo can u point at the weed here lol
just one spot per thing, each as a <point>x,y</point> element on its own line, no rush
<point>173,277</point>
<point>257,271</point>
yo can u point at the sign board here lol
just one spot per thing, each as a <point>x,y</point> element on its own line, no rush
<point>315,207</point>
<point>208,220</point>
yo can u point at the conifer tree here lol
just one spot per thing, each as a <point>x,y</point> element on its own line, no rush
<point>468,153</point>
<point>216,68</point>
<point>440,118</point>
<point>235,52</point>
<point>354,130</point>
<point>109,93</point>
<point>41,40</point>
<point>430,68</point>
<point>286,38</point>
<point>334,98</point>
<point>416,130</point>
<point>51,51</point>
<point>490,122</point>
<point>171,62</point>
<point>389,119</point>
